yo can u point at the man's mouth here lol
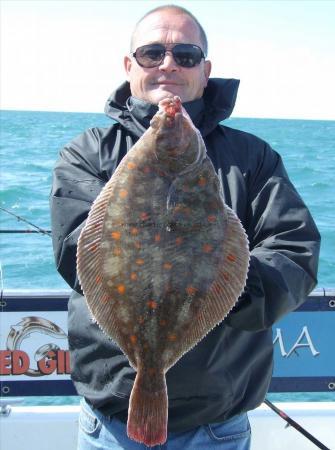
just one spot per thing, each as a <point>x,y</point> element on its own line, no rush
<point>167,83</point>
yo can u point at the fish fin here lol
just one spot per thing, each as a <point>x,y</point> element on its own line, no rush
<point>89,261</point>
<point>233,273</point>
<point>148,410</point>
<point>231,277</point>
<point>225,289</point>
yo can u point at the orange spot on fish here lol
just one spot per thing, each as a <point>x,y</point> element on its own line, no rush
<point>123,193</point>
<point>191,290</point>
<point>212,218</point>
<point>98,279</point>
<point>133,276</point>
<point>179,240</point>
<point>144,215</point>
<point>226,276</point>
<point>131,165</point>
<point>139,261</point>
<point>231,257</point>
<point>172,337</point>
<point>134,231</point>
<point>93,247</point>
<point>207,248</point>
<point>160,173</point>
<point>167,266</point>
<point>157,237</point>
<point>116,235</point>
<point>133,338</point>
<point>152,304</point>
<point>202,181</point>
<point>162,322</point>
<point>217,287</point>
<point>121,288</point>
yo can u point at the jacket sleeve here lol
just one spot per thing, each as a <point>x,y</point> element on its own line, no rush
<point>76,183</point>
<point>284,244</point>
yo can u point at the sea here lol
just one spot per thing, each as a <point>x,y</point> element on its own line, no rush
<point>30,144</point>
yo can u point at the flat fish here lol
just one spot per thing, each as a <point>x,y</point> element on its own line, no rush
<point>161,259</point>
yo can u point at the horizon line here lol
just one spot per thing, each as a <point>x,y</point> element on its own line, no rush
<point>104,114</point>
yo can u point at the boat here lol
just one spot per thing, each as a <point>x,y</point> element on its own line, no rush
<point>34,361</point>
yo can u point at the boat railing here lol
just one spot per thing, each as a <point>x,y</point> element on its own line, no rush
<point>34,355</point>
<point>34,361</point>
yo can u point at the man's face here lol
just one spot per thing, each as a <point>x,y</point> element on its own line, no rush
<point>167,79</point>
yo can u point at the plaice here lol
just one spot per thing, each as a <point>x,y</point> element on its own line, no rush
<point>161,259</point>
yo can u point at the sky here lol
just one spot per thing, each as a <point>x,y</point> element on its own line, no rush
<point>68,55</point>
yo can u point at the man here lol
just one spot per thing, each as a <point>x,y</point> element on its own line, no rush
<point>228,372</point>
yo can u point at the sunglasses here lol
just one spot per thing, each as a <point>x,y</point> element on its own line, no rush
<point>152,55</point>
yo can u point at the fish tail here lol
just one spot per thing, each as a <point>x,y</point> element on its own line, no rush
<point>148,409</point>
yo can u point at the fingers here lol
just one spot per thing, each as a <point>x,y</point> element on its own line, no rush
<point>171,106</point>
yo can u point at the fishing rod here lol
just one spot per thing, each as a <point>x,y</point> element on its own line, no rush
<point>21,219</point>
<point>12,231</point>
<point>295,425</point>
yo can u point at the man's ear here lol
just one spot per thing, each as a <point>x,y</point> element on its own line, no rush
<point>127,62</point>
<point>207,69</point>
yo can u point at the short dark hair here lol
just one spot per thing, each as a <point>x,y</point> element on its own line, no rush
<point>203,37</point>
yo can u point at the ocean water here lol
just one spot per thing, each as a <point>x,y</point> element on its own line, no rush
<point>30,143</point>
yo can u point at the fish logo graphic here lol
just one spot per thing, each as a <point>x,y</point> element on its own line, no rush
<point>25,328</point>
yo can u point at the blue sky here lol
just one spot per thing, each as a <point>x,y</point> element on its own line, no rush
<point>67,55</point>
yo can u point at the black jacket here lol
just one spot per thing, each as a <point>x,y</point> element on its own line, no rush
<point>229,371</point>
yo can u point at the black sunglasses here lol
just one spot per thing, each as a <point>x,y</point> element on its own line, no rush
<point>152,55</point>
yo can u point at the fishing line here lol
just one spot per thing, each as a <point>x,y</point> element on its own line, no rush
<point>295,425</point>
<point>21,219</point>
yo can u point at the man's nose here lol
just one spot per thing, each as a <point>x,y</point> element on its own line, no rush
<point>168,63</point>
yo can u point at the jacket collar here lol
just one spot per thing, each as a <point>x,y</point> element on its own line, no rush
<point>216,105</point>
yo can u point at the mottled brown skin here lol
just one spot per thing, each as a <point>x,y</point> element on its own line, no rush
<point>154,261</point>
<point>166,251</point>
